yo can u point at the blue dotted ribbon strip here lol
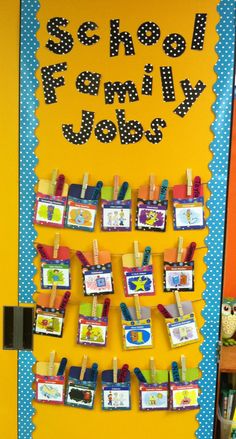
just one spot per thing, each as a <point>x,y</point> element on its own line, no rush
<point>26,361</point>
<point>220,146</point>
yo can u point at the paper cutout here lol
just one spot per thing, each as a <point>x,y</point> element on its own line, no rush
<point>137,280</point>
<point>137,334</point>
<point>80,393</point>
<point>98,279</point>
<point>130,131</point>
<point>49,389</point>
<point>82,136</point>
<point>48,321</point>
<point>167,82</point>
<point>188,211</point>
<point>184,396</point>
<point>83,37</point>
<point>116,214</point>
<point>174,45</point>
<point>105,131</point>
<point>147,82</point>
<point>50,83</point>
<point>81,212</point>
<point>88,82</point>
<point>92,330</point>
<point>66,42</point>
<point>191,94</point>
<point>148,33</point>
<point>199,31</point>
<point>116,37</point>
<point>150,214</point>
<point>56,271</point>
<point>122,89</point>
<point>154,396</point>
<point>177,275</point>
<point>182,330</point>
<point>115,396</point>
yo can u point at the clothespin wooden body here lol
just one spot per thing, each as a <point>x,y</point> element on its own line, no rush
<point>151,187</point>
<point>178,303</point>
<point>189,182</point>
<point>53,295</point>
<point>137,257</point>
<point>83,367</point>
<point>180,249</point>
<point>116,187</point>
<point>95,252</point>
<point>115,369</point>
<point>94,306</point>
<point>84,185</point>
<point>56,245</point>
<point>51,363</point>
<point>137,307</point>
<point>183,367</point>
<point>52,185</point>
<point>152,370</point>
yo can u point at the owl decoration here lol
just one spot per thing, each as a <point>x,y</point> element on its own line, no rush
<point>228,321</point>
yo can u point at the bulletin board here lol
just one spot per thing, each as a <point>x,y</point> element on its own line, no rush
<point>185,134</point>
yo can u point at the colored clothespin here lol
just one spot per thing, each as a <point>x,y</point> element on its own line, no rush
<point>196,186</point>
<point>62,367</point>
<point>178,303</point>
<point>51,363</point>
<point>106,306</point>
<point>189,182</point>
<point>137,307</point>
<point>122,191</point>
<point>94,306</point>
<point>125,312</point>
<point>183,367</point>
<point>115,369</point>
<point>136,254</point>
<point>123,373</point>
<point>42,251</point>
<point>116,187</point>
<point>163,190</point>
<point>94,372</point>
<point>56,245</point>
<point>82,258</point>
<point>152,370</point>
<point>175,372</point>
<point>180,249</point>
<point>95,252</point>
<point>83,367</point>
<point>59,185</point>
<point>151,187</point>
<point>52,185</point>
<point>53,295</point>
<point>97,190</point>
<point>84,185</point>
<point>164,311</point>
<point>146,256</point>
<point>139,375</point>
<point>190,252</point>
<point>64,301</point>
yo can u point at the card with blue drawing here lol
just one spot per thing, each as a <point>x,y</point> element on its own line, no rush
<point>81,386</point>
<point>116,388</point>
<point>179,275</point>
<point>116,207</point>
<point>136,326</point>
<point>138,272</point>
<point>51,199</point>
<point>152,204</point>
<point>50,381</point>
<point>82,205</point>
<point>188,204</point>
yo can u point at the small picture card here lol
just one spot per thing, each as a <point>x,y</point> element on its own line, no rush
<point>81,214</point>
<point>188,211</point>
<point>115,396</point>
<point>49,389</point>
<point>48,321</point>
<point>116,214</point>
<point>55,271</point>
<point>154,396</point>
<point>151,214</point>
<point>137,334</point>
<point>177,275</point>
<point>137,280</point>
<point>92,330</point>
<point>182,330</point>
<point>184,396</point>
<point>80,393</point>
<point>98,279</point>
<point>50,209</point>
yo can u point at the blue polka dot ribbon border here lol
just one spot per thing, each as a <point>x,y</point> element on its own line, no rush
<point>218,187</point>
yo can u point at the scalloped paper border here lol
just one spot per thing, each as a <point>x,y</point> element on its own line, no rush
<point>218,187</point>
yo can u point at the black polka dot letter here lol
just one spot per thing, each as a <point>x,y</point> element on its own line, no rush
<point>82,33</point>
<point>131,131</point>
<point>191,94</point>
<point>147,80</point>
<point>128,87</point>
<point>148,33</point>
<point>174,45</point>
<point>199,31</point>
<point>66,40</point>
<point>84,134</point>
<point>105,131</point>
<point>155,138</point>
<point>50,83</point>
<point>117,37</point>
<point>168,90</point>
<point>88,82</point>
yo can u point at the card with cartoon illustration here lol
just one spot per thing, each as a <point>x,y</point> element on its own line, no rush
<point>151,214</point>
<point>137,279</point>
<point>184,395</point>
<point>137,334</point>
<point>116,214</point>
<point>56,270</point>
<point>81,393</point>
<point>49,389</point>
<point>98,278</point>
<point>50,208</point>
<point>115,396</point>
<point>48,320</point>
<point>81,212</point>
<point>92,330</point>
<point>177,275</point>
<point>188,210</point>
<point>154,395</point>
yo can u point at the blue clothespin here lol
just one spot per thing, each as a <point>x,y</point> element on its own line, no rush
<point>163,190</point>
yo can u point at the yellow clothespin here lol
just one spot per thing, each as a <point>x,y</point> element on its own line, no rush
<point>151,187</point>
<point>152,370</point>
<point>116,187</point>
<point>51,363</point>
<point>178,303</point>
<point>183,367</point>
<point>115,369</point>
<point>83,367</point>
<point>189,182</point>
<point>95,252</point>
<point>180,249</point>
<point>94,306</point>
<point>52,185</point>
<point>84,185</point>
<point>53,295</point>
<point>137,306</point>
<point>136,254</point>
<point>56,245</point>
